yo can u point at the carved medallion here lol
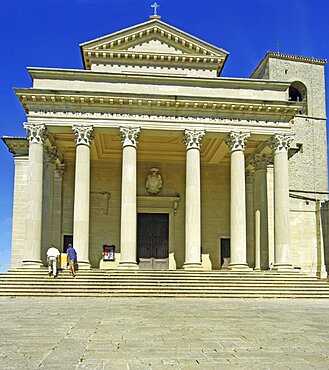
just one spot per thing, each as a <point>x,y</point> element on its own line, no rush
<point>153,181</point>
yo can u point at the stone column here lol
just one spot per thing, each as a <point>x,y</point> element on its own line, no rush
<point>321,271</point>
<point>128,248</point>
<point>270,213</point>
<point>58,197</point>
<point>260,163</point>
<point>236,142</point>
<point>280,145</point>
<point>32,252</point>
<point>50,156</point>
<point>83,138</point>
<point>192,139</point>
<point>250,218</point>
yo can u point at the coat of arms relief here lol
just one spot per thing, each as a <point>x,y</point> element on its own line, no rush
<point>153,181</point>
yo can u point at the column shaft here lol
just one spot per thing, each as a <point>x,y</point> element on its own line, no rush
<point>192,140</point>
<point>193,211</point>
<point>128,249</point>
<point>281,209</point>
<point>32,251</point>
<point>58,196</point>
<point>83,136</point>
<point>48,201</point>
<point>236,142</point>
<point>250,218</point>
<point>260,163</point>
<point>280,145</point>
<point>238,210</point>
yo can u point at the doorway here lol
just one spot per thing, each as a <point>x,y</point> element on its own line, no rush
<point>67,239</point>
<point>225,252</point>
<point>153,241</point>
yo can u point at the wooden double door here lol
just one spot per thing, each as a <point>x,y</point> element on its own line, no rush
<point>153,241</point>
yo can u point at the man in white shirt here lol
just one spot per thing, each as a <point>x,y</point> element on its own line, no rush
<point>52,256</point>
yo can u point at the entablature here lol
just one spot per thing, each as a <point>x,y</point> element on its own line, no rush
<point>64,101</point>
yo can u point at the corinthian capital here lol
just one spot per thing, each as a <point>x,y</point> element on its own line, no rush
<point>237,140</point>
<point>59,169</point>
<point>260,161</point>
<point>250,177</point>
<point>193,138</point>
<point>129,136</point>
<point>83,135</point>
<point>35,133</point>
<point>51,152</point>
<point>280,143</point>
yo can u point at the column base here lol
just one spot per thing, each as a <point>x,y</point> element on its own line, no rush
<point>322,272</point>
<point>84,265</point>
<point>192,266</point>
<point>284,268</point>
<point>128,266</point>
<point>257,269</point>
<point>31,264</point>
<point>239,267</point>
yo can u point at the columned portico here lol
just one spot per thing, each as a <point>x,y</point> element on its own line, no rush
<point>83,138</point>
<point>280,145</point>
<point>129,140</point>
<point>192,140</point>
<point>32,252</point>
<point>236,142</point>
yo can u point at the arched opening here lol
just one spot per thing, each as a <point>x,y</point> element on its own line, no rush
<point>298,93</point>
<point>294,94</point>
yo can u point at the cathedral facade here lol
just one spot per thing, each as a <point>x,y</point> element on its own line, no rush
<point>150,151</point>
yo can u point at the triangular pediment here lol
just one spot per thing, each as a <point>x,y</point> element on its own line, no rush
<point>155,46</point>
<point>152,37</point>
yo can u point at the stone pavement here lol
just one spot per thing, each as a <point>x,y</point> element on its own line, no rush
<point>137,333</point>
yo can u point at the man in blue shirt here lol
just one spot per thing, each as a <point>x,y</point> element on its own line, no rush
<point>72,258</point>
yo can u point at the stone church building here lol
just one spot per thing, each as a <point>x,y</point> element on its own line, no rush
<point>150,150</point>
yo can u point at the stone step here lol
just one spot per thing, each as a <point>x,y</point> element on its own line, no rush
<point>43,270</point>
<point>113,283</point>
<point>165,276</point>
<point>147,294</point>
<point>116,283</point>
<point>116,280</point>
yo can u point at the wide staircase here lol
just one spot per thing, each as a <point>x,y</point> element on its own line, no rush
<point>175,284</point>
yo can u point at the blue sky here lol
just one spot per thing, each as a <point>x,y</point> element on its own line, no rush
<point>47,33</point>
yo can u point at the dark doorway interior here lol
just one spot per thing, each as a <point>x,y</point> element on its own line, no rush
<point>153,235</point>
<point>68,239</point>
<point>225,249</point>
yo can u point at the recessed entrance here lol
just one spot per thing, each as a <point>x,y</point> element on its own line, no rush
<point>153,241</point>
<point>225,252</point>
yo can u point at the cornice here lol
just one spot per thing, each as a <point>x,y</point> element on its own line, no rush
<point>294,58</point>
<point>112,56</point>
<point>297,58</point>
<point>18,146</point>
<point>63,100</point>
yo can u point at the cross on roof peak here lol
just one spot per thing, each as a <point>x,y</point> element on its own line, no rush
<point>155,6</point>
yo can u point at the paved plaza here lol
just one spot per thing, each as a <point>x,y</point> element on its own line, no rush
<point>130,333</point>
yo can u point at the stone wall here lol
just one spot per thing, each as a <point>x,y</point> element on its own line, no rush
<point>19,210</point>
<point>105,219</point>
